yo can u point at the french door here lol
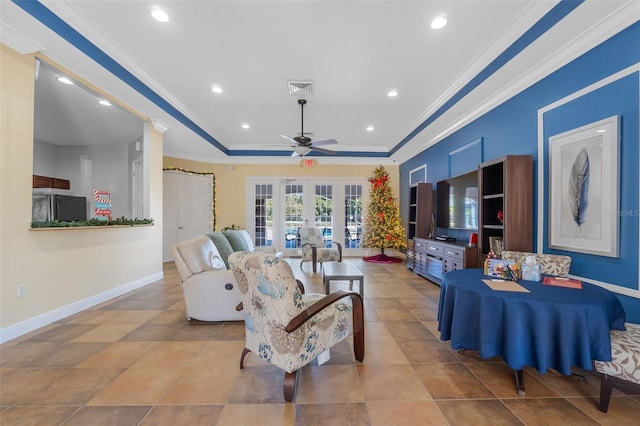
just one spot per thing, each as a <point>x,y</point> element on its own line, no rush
<point>282,207</point>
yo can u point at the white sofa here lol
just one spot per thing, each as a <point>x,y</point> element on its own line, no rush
<point>209,288</point>
<point>210,291</point>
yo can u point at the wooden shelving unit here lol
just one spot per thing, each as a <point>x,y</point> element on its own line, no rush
<point>420,216</point>
<point>506,184</point>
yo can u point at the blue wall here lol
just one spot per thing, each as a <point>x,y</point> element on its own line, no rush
<point>512,128</point>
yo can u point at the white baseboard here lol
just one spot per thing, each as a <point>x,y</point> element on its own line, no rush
<point>27,326</point>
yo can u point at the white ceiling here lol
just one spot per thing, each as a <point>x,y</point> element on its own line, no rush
<point>353,51</point>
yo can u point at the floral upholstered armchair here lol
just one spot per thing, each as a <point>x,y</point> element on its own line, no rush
<point>314,250</point>
<point>552,264</point>
<point>286,327</point>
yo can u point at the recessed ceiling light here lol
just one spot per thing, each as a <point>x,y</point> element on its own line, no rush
<point>104,102</point>
<point>65,80</point>
<point>370,128</point>
<point>216,89</point>
<point>601,131</point>
<point>245,126</point>
<point>160,15</point>
<point>438,23</point>
<point>392,93</point>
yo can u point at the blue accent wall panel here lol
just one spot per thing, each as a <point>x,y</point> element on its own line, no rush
<point>613,99</point>
<point>512,128</point>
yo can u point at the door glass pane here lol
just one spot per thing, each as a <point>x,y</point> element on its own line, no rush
<point>352,216</point>
<point>263,229</point>
<point>294,214</point>
<point>324,211</point>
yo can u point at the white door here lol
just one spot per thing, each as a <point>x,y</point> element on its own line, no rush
<point>306,204</point>
<point>187,208</point>
<point>281,206</point>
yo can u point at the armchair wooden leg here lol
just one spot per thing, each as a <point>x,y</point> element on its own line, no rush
<point>606,386</point>
<point>358,329</point>
<point>290,385</point>
<point>245,351</point>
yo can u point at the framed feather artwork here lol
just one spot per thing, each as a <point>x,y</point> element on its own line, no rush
<point>584,187</point>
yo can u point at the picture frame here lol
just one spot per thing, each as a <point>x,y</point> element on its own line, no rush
<point>583,189</point>
<point>496,245</point>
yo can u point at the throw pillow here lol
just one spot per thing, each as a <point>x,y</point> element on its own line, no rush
<point>222,244</point>
<point>235,239</point>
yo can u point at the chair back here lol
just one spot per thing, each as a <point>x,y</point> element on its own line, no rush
<point>312,236</point>
<point>271,297</point>
<point>552,264</point>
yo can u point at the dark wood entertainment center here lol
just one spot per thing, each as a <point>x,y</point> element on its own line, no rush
<point>504,184</point>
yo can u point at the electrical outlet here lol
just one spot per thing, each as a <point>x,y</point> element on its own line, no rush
<point>22,290</point>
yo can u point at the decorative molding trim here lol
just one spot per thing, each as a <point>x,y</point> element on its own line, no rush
<point>27,326</point>
<point>17,41</point>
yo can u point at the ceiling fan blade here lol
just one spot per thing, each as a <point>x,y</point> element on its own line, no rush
<point>324,142</point>
<point>323,150</point>
<point>289,139</point>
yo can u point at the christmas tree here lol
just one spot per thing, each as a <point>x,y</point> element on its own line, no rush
<point>382,223</point>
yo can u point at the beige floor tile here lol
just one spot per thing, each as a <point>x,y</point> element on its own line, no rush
<point>334,414</point>
<point>568,385</point>
<point>67,355</point>
<point>451,381</point>
<point>108,416</point>
<point>177,354</point>
<point>76,387</point>
<point>478,412</point>
<point>17,355</point>
<point>257,414</point>
<point>623,410</point>
<point>202,385</point>
<point>402,413</point>
<point>500,379</point>
<point>391,383</point>
<point>424,350</point>
<point>62,333</point>
<point>408,330</point>
<point>220,352</point>
<point>134,316</point>
<point>106,333</point>
<point>258,385</point>
<point>177,415</point>
<point>328,383</point>
<point>383,351</point>
<point>19,385</point>
<point>118,354</point>
<point>556,411</point>
<point>36,416</point>
<point>138,386</point>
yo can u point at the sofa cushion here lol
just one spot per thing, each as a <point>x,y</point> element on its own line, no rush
<point>247,239</point>
<point>222,244</point>
<point>200,254</point>
<point>235,239</point>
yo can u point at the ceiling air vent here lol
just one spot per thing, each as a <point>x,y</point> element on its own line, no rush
<point>300,87</point>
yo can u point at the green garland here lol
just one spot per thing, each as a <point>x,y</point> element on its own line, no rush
<point>122,221</point>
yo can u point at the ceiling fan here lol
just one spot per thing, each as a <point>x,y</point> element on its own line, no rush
<point>304,144</point>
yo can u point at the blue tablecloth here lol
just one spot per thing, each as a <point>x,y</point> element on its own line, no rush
<point>550,327</point>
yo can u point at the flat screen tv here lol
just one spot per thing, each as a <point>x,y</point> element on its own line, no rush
<point>457,202</point>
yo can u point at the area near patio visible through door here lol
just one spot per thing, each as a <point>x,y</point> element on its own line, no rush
<point>282,206</point>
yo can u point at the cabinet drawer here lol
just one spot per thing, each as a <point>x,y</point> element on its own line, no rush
<point>454,252</point>
<point>451,264</point>
<point>434,249</point>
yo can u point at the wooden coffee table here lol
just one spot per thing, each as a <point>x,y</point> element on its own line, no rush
<point>333,271</point>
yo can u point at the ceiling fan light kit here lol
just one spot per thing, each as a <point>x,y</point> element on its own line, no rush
<point>304,144</point>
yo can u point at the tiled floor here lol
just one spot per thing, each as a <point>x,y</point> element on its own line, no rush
<point>136,360</point>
